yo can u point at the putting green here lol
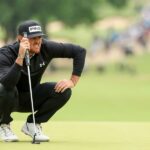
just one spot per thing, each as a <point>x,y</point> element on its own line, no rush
<point>86,136</point>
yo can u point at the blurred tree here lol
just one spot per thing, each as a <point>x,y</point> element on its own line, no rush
<point>11,13</point>
<point>71,12</point>
<point>76,11</point>
<point>118,3</point>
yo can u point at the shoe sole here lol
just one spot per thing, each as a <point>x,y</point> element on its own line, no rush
<point>11,140</point>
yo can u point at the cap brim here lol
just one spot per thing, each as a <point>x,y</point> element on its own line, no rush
<point>35,35</point>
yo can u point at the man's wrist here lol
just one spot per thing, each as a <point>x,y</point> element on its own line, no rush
<point>74,79</point>
<point>20,56</point>
<point>19,61</point>
<point>73,82</point>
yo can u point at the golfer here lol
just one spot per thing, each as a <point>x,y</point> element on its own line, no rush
<point>48,97</point>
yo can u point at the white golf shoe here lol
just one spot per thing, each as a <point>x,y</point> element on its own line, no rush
<point>28,129</point>
<point>6,133</point>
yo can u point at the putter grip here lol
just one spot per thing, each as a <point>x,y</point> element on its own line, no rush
<point>27,56</point>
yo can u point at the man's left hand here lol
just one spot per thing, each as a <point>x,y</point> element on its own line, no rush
<point>62,85</point>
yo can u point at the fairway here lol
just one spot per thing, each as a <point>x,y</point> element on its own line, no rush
<point>86,136</point>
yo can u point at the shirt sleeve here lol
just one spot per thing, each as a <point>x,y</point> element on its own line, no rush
<point>66,50</point>
<point>9,71</point>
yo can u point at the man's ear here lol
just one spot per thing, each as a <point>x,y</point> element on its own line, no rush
<point>19,37</point>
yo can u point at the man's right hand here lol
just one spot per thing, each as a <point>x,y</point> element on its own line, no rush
<point>24,45</point>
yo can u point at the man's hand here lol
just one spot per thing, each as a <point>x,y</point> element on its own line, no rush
<point>24,45</point>
<point>62,85</point>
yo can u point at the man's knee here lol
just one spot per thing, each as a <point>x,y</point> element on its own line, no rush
<point>63,98</point>
<point>67,94</point>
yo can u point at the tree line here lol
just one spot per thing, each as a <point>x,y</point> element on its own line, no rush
<point>71,12</point>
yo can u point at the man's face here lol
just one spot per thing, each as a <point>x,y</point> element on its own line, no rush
<point>35,44</point>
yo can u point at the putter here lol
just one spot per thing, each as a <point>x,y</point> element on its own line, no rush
<point>27,60</point>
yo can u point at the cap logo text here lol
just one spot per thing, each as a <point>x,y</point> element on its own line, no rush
<point>35,29</point>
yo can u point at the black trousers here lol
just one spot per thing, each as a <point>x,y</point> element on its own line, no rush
<point>46,102</point>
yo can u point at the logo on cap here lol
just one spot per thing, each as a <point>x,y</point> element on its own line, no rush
<point>35,29</point>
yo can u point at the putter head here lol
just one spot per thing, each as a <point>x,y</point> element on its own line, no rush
<point>34,140</point>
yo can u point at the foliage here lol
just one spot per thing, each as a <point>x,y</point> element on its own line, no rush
<point>71,12</point>
<point>118,3</point>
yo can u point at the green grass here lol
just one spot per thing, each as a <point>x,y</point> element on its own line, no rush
<point>86,136</point>
<point>108,111</point>
<point>109,98</point>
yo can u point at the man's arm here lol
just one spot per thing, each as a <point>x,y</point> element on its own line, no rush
<point>66,50</point>
<point>10,66</point>
<point>9,73</point>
